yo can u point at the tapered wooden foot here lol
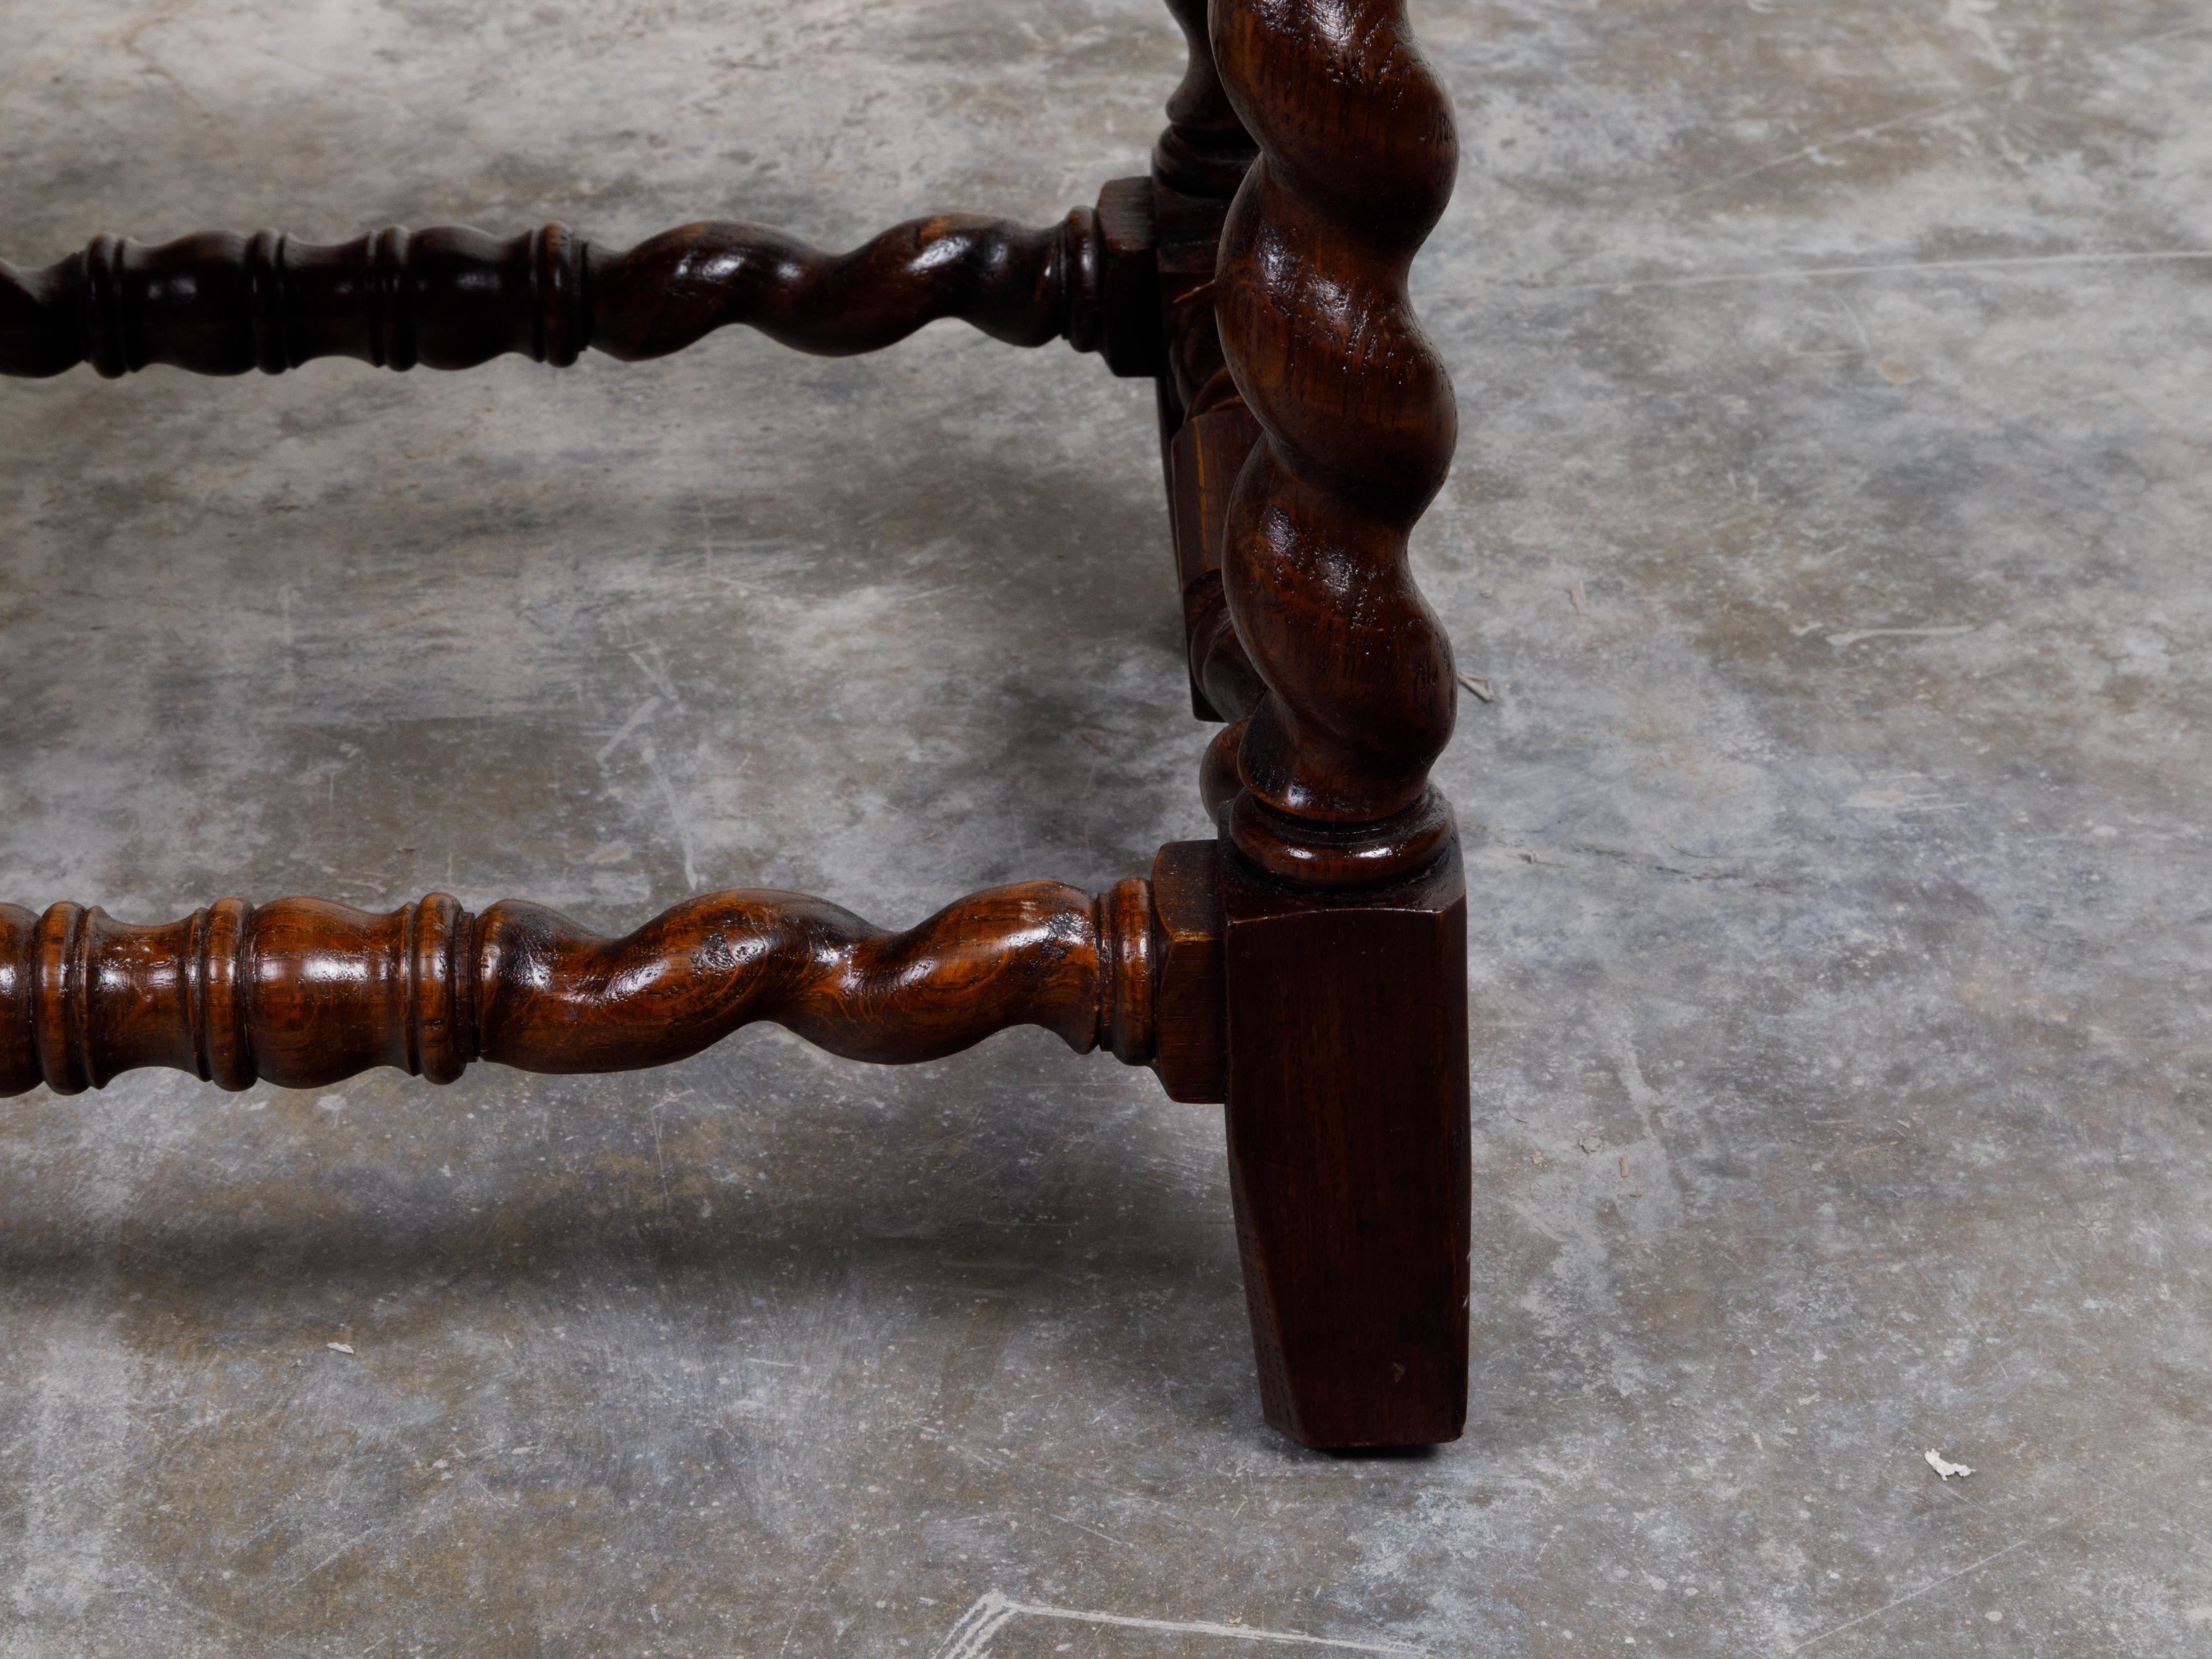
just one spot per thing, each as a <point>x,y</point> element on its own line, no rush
<point>1348,1154</point>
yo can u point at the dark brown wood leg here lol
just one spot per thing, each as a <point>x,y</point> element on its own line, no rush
<point>1348,1151</point>
<point>1308,967</point>
<point>1345,942</point>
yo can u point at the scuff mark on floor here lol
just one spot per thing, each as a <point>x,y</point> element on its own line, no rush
<point>993,1611</point>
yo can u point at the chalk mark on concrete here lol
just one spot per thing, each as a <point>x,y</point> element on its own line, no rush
<point>971,1637</point>
<point>644,712</point>
<point>1972,1567</point>
<point>1802,273</point>
<point>1950,1579</point>
<point>1951,631</point>
<point>1932,112</point>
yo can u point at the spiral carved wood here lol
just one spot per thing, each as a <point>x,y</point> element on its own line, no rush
<point>303,992</point>
<point>1357,160</point>
<point>220,304</point>
<point>1205,149</point>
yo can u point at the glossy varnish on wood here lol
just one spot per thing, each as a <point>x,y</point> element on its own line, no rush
<point>1306,967</point>
<point>1306,426</point>
<point>1356,158</point>
<point>453,298</point>
<point>303,992</point>
<point>1348,1149</point>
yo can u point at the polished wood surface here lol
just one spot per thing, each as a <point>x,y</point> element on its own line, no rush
<point>302,992</point>
<point>1189,1013</point>
<point>1305,425</point>
<point>1307,966</point>
<point>1204,458</point>
<point>1205,149</point>
<point>1348,1150</point>
<point>221,304</point>
<point>1356,158</point>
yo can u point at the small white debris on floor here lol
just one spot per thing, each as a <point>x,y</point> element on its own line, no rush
<point>339,1347</point>
<point>1947,1470</point>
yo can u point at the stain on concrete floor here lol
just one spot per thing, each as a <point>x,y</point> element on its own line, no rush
<point>1841,951</point>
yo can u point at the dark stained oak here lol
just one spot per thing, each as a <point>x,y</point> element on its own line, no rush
<point>223,304</point>
<point>1189,1015</point>
<point>1204,458</point>
<point>1348,1150</point>
<point>302,992</point>
<point>1205,149</point>
<point>1356,158</point>
<point>1307,967</point>
<point>1306,423</point>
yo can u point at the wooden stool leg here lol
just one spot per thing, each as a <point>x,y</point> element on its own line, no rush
<point>1348,1152</point>
<point>1345,942</point>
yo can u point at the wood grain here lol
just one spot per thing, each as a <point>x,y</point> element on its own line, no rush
<point>1305,425</point>
<point>1204,149</point>
<point>1348,1149</point>
<point>1308,968</point>
<point>453,298</point>
<point>1356,158</point>
<point>302,992</point>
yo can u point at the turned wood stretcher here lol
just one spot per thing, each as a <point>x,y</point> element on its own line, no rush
<point>1307,965</point>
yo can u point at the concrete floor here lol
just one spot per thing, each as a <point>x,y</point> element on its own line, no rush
<point>1841,956</point>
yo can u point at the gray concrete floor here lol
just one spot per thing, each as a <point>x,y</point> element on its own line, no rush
<point>1840,941</point>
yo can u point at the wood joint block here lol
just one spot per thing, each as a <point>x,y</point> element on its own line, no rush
<point>1187,967</point>
<point>1129,280</point>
